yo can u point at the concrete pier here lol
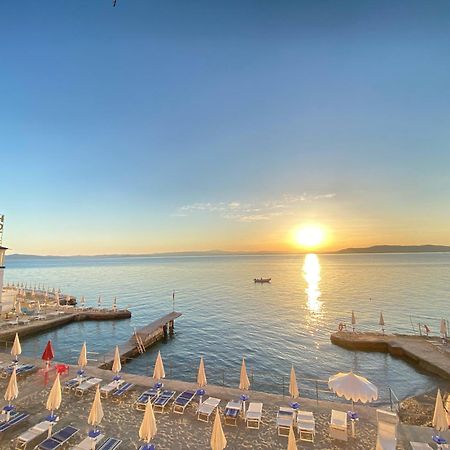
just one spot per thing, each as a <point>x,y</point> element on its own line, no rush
<point>428,354</point>
<point>51,322</point>
<point>143,338</point>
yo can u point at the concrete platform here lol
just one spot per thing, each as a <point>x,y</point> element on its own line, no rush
<point>426,353</point>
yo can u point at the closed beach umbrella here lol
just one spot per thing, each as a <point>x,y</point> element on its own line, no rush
<point>117,366</point>
<point>96,414</point>
<point>443,329</point>
<point>48,354</point>
<point>114,307</point>
<point>158,371</point>
<point>353,320</point>
<point>201,376</point>
<point>293,387</point>
<point>12,391</point>
<point>82,359</point>
<point>57,299</point>
<point>53,402</point>
<point>440,421</point>
<point>99,301</point>
<point>292,445</point>
<point>218,439</point>
<point>147,430</point>
<point>244,382</point>
<point>82,301</point>
<point>381,321</point>
<point>16,349</point>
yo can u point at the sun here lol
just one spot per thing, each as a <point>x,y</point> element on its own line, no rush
<point>309,236</point>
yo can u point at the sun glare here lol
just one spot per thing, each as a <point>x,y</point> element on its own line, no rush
<point>309,237</point>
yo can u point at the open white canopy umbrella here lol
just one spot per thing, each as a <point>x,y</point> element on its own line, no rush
<point>292,444</point>
<point>293,387</point>
<point>96,414</point>
<point>244,382</point>
<point>147,430</point>
<point>158,371</point>
<point>117,365</point>
<point>218,439</point>
<point>201,376</point>
<point>54,402</point>
<point>12,391</point>
<point>440,421</point>
<point>16,349</point>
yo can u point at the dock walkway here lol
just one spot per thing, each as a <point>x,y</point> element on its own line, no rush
<point>426,353</point>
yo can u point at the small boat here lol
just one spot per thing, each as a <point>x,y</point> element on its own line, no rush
<point>262,280</point>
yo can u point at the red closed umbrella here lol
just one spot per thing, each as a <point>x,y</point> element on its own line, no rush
<point>48,354</point>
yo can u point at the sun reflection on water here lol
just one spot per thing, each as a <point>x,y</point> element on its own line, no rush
<point>311,274</point>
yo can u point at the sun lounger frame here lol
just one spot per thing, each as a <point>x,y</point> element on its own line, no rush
<point>162,401</point>
<point>187,395</point>
<point>150,394</point>
<point>338,425</point>
<point>253,416</point>
<point>56,439</point>
<point>306,426</point>
<point>206,408</point>
<point>285,419</point>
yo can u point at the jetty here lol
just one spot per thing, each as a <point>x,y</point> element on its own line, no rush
<point>143,338</point>
<point>427,353</point>
<point>56,319</point>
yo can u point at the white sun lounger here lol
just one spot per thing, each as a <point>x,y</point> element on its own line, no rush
<point>387,430</point>
<point>207,408</point>
<point>32,435</point>
<point>232,412</point>
<point>86,443</point>
<point>338,425</point>
<point>420,446</point>
<point>87,385</point>
<point>306,426</point>
<point>285,419</point>
<point>253,415</point>
<point>110,387</point>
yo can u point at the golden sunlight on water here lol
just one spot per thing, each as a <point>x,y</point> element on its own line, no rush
<point>311,274</point>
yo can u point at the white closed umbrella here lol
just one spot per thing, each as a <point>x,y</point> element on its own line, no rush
<point>16,349</point>
<point>293,387</point>
<point>148,429</point>
<point>443,329</point>
<point>82,359</point>
<point>440,421</point>
<point>353,387</point>
<point>99,301</point>
<point>201,375</point>
<point>244,382</point>
<point>114,307</point>
<point>381,322</point>
<point>82,301</point>
<point>117,365</point>
<point>12,391</point>
<point>218,439</point>
<point>158,371</point>
<point>353,320</point>
<point>292,444</point>
<point>96,413</point>
<point>54,402</point>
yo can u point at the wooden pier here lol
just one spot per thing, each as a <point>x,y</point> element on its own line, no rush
<point>429,354</point>
<point>143,338</point>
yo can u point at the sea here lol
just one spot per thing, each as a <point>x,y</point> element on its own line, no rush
<point>226,316</point>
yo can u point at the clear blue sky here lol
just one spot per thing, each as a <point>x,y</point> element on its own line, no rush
<point>179,125</point>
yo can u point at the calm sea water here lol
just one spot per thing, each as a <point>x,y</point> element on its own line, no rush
<point>226,315</point>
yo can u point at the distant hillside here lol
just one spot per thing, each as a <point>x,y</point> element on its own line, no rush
<point>397,249</point>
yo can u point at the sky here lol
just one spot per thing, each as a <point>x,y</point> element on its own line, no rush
<point>194,125</point>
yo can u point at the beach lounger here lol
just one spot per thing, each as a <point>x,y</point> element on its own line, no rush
<point>87,385</point>
<point>387,430</point>
<point>150,394</point>
<point>338,425</point>
<point>420,446</point>
<point>207,408</point>
<point>58,439</point>
<point>163,400</point>
<point>110,387</point>
<point>232,411</point>
<point>123,389</point>
<point>32,435</point>
<point>86,443</point>
<point>110,444</point>
<point>306,426</point>
<point>253,415</point>
<point>73,383</point>
<point>183,401</point>
<point>285,419</point>
<point>14,419</point>
<point>21,369</point>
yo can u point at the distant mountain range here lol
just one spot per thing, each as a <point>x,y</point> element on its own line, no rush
<point>397,249</point>
<point>373,249</point>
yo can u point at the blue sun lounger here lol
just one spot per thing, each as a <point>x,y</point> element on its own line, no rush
<point>58,439</point>
<point>160,403</point>
<point>14,419</point>
<point>110,444</point>
<point>147,446</point>
<point>182,401</point>
<point>21,369</point>
<point>150,394</point>
<point>123,389</point>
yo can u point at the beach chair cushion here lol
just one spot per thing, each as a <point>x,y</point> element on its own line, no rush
<point>338,425</point>
<point>33,432</point>
<point>59,438</point>
<point>110,444</point>
<point>183,400</point>
<point>254,414</point>
<point>125,387</point>
<point>387,430</point>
